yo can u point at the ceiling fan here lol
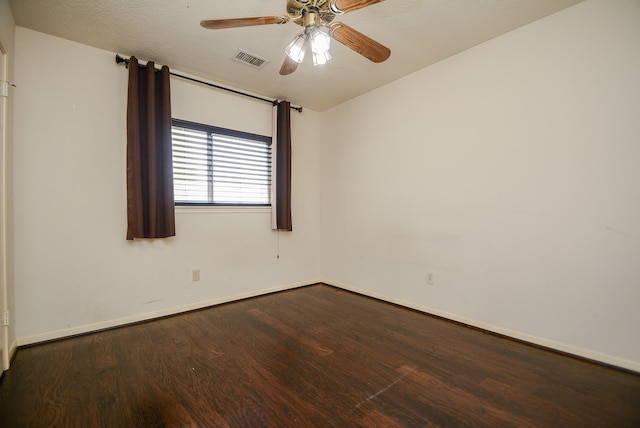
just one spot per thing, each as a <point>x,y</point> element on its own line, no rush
<point>316,17</point>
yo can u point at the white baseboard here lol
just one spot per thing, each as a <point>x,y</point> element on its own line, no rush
<point>558,346</point>
<point>13,348</point>
<point>562,347</point>
<point>89,328</point>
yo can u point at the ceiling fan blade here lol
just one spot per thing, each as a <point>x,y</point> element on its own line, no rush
<point>343,6</point>
<point>288,66</point>
<point>355,40</point>
<point>219,24</point>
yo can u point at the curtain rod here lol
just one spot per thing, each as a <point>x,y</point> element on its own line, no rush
<point>120,59</point>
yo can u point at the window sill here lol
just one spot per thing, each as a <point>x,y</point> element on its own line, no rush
<point>207,209</point>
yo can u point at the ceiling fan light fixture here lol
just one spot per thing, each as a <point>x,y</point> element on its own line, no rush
<point>316,17</point>
<point>297,48</point>
<point>320,59</point>
<point>320,39</point>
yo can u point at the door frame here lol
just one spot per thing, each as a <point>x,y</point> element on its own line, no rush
<point>4,277</point>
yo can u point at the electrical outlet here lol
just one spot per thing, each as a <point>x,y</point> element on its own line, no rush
<point>5,318</point>
<point>195,275</point>
<point>430,279</point>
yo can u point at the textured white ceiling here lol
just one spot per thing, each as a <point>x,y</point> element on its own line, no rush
<point>418,32</point>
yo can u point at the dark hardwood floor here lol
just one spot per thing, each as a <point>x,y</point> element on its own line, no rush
<point>315,356</point>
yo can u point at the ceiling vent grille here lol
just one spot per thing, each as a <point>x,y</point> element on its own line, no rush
<point>250,59</point>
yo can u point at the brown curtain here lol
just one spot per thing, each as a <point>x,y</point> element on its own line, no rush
<point>281,182</point>
<point>150,203</point>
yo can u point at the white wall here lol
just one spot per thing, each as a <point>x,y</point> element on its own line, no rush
<point>74,270</point>
<point>511,172</point>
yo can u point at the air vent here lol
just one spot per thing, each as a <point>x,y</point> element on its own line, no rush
<point>250,59</point>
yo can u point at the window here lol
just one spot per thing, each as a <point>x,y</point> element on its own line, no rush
<point>217,166</point>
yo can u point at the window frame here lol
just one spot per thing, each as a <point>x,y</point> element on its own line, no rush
<point>211,129</point>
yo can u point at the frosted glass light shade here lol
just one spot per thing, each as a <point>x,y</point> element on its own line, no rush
<point>320,40</point>
<point>320,59</point>
<point>297,48</point>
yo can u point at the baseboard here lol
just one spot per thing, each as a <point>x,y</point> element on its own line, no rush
<point>91,328</point>
<point>13,348</point>
<point>535,340</point>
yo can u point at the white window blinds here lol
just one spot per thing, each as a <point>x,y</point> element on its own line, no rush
<point>216,166</point>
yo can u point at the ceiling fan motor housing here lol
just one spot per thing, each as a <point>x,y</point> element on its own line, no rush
<point>308,13</point>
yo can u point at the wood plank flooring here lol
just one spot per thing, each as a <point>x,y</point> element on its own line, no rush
<point>311,357</point>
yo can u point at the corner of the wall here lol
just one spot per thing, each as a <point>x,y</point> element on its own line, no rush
<point>121,322</point>
<point>563,348</point>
